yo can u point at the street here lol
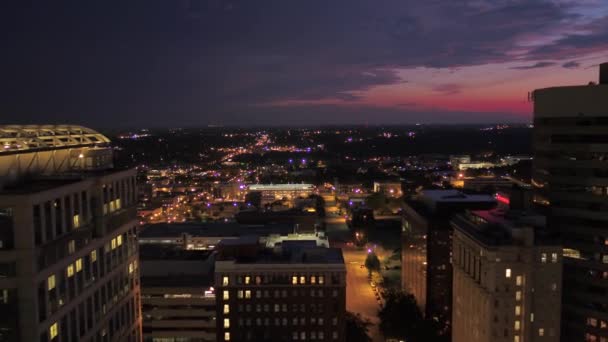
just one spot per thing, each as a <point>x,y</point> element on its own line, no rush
<point>360,297</point>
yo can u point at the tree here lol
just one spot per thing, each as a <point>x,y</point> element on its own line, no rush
<point>356,328</point>
<point>401,318</point>
<point>372,263</point>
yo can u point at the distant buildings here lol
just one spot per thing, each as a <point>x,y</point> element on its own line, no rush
<point>426,247</point>
<point>277,192</point>
<point>293,292</point>
<point>570,172</point>
<point>507,278</point>
<point>389,189</point>
<point>68,238</point>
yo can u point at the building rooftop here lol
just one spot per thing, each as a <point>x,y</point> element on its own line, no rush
<point>41,183</point>
<point>170,252</point>
<point>452,196</point>
<point>302,255</point>
<point>506,227</point>
<point>168,230</point>
<point>28,138</point>
<point>290,252</point>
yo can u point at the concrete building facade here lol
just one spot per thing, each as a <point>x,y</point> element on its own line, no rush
<point>507,278</point>
<point>426,248</point>
<point>571,180</point>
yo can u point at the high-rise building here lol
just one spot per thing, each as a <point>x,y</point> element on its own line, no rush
<point>507,278</point>
<point>571,179</point>
<point>68,239</point>
<point>293,292</point>
<point>426,248</point>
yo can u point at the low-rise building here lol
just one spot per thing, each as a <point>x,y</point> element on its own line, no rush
<point>292,292</point>
<point>177,294</point>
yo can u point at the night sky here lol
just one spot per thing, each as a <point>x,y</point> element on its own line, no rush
<point>159,63</point>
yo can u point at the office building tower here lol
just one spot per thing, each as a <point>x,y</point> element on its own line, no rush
<point>68,239</point>
<point>570,176</point>
<point>507,278</point>
<point>293,292</point>
<point>426,248</point>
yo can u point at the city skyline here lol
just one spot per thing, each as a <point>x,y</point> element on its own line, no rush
<point>193,63</point>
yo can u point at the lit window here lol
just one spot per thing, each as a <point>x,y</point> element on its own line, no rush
<point>321,280</point>
<point>313,280</point>
<point>119,240</point>
<point>518,280</point>
<point>554,286</point>
<point>118,204</point>
<point>226,336</point>
<point>113,243</point>
<point>302,280</point>
<point>225,281</point>
<point>239,294</point>
<point>518,295</point>
<point>226,323</point>
<point>76,221</point>
<point>592,321</point>
<point>248,294</point>
<point>70,270</point>
<point>131,268</point>
<point>226,309</point>
<point>508,273</point>
<point>78,264</point>
<point>247,280</point>
<point>541,332</point>
<point>226,295</point>
<point>294,280</point>
<point>71,246</point>
<point>516,338</point>
<point>517,310</point>
<point>53,331</point>
<point>532,317</point>
<point>553,257</point>
<point>50,282</point>
<point>543,258</point>
<point>517,325</point>
<point>258,280</point>
<point>93,256</point>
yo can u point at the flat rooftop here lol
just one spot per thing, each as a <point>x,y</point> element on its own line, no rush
<point>294,253</point>
<point>171,230</point>
<point>170,252</point>
<point>453,196</point>
<point>280,187</point>
<point>498,227</point>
